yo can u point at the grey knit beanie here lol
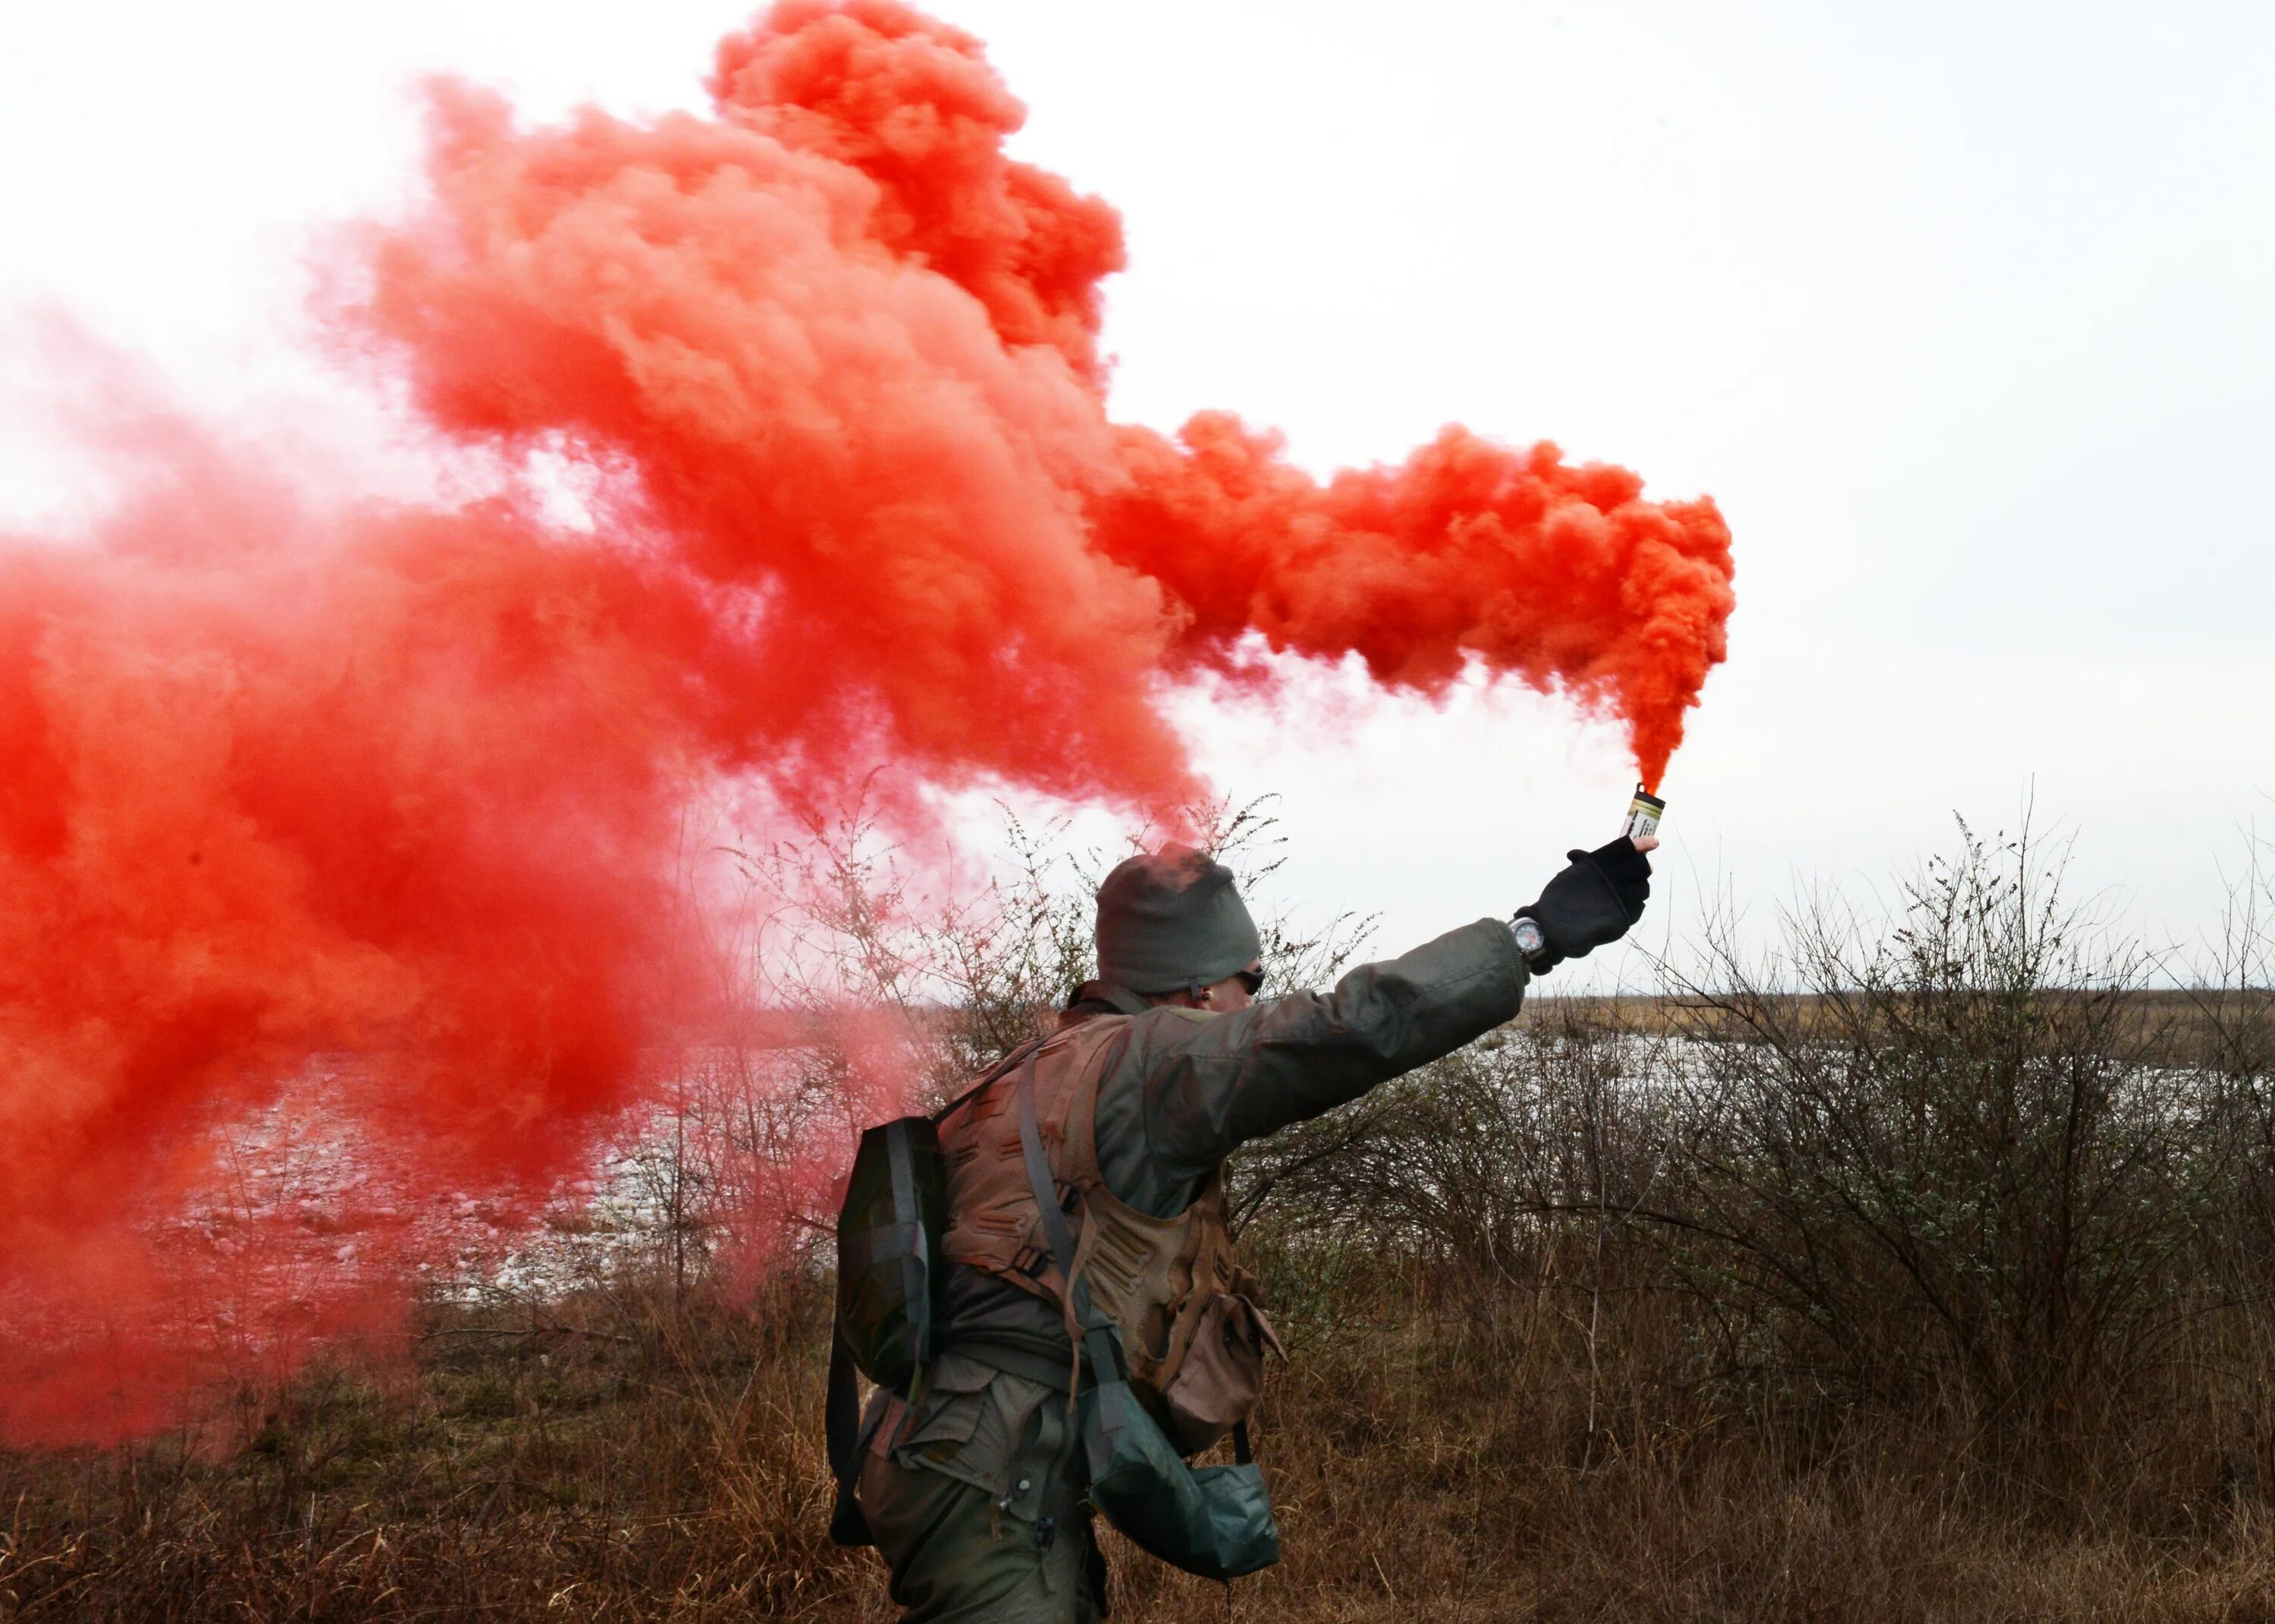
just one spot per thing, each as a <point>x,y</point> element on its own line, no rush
<point>1170,920</point>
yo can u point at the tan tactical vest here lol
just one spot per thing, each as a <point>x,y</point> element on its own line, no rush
<point>1157,1277</point>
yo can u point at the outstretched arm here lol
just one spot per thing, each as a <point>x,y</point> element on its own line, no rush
<point>1190,1088</point>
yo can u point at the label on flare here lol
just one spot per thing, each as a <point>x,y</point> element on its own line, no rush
<point>1643,813</point>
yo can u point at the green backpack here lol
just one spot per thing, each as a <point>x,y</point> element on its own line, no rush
<point>890,1229</point>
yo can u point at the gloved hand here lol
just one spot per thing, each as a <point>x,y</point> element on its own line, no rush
<point>1595,900</point>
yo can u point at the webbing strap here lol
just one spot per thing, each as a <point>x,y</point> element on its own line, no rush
<point>989,1075</point>
<point>841,1417</point>
<point>1101,1337</point>
<point>902,1163</point>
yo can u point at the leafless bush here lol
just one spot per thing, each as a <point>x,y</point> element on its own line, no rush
<point>1961,1160</point>
<point>1961,1166</point>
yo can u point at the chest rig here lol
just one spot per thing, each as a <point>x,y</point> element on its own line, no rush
<point>1156,1277</point>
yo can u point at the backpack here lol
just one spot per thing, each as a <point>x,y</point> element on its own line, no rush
<point>890,1229</point>
<point>1213,1521</point>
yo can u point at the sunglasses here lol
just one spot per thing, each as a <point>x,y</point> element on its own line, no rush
<point>1250,980</point>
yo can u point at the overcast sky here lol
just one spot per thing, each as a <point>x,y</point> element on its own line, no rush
<point>1964,313</point>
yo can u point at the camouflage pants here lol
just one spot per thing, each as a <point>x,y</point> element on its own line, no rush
<point>976,1503</point>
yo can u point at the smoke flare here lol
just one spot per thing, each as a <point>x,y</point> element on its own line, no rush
<point>282,776</point>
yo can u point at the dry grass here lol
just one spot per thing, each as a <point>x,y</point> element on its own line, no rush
<point>1432,1455</point>
<point>601,1458</point>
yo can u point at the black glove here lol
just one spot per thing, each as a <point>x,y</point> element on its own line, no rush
<point>1595,900</point>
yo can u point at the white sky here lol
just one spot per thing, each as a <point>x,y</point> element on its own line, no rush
<point>1965,313</point>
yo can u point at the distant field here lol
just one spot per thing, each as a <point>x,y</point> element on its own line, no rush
<point>2194,1024</point>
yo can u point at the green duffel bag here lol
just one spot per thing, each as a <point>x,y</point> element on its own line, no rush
<point>1213,1521</point>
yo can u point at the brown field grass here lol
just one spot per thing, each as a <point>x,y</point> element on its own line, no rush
<point>1432,1455</point>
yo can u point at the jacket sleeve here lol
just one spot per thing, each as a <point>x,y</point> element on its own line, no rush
<point>1206,1086</point>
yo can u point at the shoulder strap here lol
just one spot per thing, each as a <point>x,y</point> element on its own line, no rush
<point>1101,1337</point>
<point>989,1075</point>
<point>1081,1146</point>
<point>841,1419</point>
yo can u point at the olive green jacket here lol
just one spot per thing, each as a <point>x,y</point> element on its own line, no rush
<point>1190,1089</point>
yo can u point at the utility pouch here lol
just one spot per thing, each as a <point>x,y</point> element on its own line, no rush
<point>1221,1376</point>
<point>1213,1521</point>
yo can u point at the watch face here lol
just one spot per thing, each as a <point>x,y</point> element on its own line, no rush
<point>1529,938</point>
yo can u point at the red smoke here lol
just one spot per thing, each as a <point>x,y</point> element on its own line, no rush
<point>280,777</point>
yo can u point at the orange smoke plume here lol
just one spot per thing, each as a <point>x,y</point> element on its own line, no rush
<point>283,776</point>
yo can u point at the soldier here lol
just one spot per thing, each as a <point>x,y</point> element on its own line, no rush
<point>1159,1069</point>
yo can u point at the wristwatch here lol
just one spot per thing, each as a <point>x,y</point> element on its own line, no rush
<point>1530,941</point>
